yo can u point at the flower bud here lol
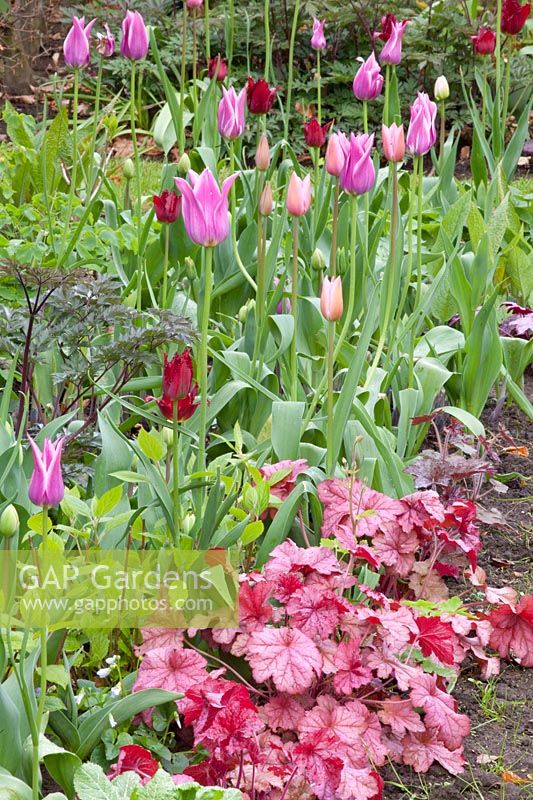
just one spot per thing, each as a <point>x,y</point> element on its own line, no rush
<point>9,521</point>
<point>299,195</point>
<point>318,261</point>
<point>190,268</point>
<point>266,203</point>
<point>262,154</point>
<point>128,169</point>
<point>187,523</point>
<point>331,299</point>
<point>184,165</point>
<point>442,89</point>
<point>335,154</point>
<point>167,435</point>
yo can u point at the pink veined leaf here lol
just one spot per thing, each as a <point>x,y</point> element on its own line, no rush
<point>351,674</point>
<point>489,665</point>
<point>172,668</point>
<point>505,595</point>
<point>287,656</point>
<point>314,612</point>
<point>283,712</point>
<point>360,784</point>
<point>420,508</point>
<point>439,711</point>
<point>318,760</point>
<point>420,750</point>
<point>398,626</point>
<point>234,727</point>
<point>327,649</point>
<point>396,548</point>
<point>512,630</point>
<point>158,637</point>
<point>370,730</point>
<point>401,716</point>
<point>254,609</point>
<point>331,717</point>
<point>436,638</point>
<point>288,557</point>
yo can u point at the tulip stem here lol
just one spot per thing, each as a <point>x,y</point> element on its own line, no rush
<point>138,187</point>
<point>386,101</point>
<point>484,97</point>
<point>165,265</point>
<point>207,37</point>
<point>204,331</point>
<point>334,227</point>
<point>176,473</point>
<point>43,635</point>
<point>181,132</point>
<point>331,363</point>
<point>318,88</point>
<point>288,108</point>
<point>366,260</point>
<point>267,39</point>
<point>90,182</point>
<point>497,99</point>
<point>233,227</point>
<point>442,133</point>
<point>73,174</point>
<point>194,60</point>
<point>294,298</point>
<point>419,230</point>
<point>506,90</point>
<point>315,151</point>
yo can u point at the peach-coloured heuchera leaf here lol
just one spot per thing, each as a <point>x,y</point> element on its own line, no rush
<point>512,630</point>
<point>287,656</point>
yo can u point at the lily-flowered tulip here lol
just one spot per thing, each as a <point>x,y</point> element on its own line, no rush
<point>422,133</point>
<point>192,4</point>
<point>167,206</point>
<point>76,45</point>
<point>358,174</point>
<point>266,202</point>
<point>262,154</point>
<point>260,96</point>
<point>46,485</point>
<point>218,67</point>
<point>331,299</point>
<point>186,407</point>
<point>514,16</point>
<point>368,82</point>
<point>392,50</point>
<point>105,44</point>
<point>315,134</point>
<point>134,44</point>
<point>442,89</point>
<point>484,42</point>
<point>393,142</point>
<point>299,195</point>
<point>386,27</point>
<point>335,154</point>
<point>205,207</point>
<point>177,375</point>
<point>318,40</point>
<point>231,113</point>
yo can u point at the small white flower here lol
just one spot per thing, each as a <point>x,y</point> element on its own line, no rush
<point>112,660</point>
<point>112,721</point>
<point>79,697</point>
<point>116,690</point>
<point>103,673</point>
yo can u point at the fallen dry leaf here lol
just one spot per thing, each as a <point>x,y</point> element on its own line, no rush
<point>511,777</point>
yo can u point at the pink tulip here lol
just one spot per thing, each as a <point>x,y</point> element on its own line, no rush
<point>335,153</point>
<point>393,142</point>
<point>262,154</point>
<point>358,174</point>
<point>231,113</point>
<point>422,133</point>
<point>106,43</point>
<point>205,207</point>
<point>134,44</point>
<point>284,306</point>
<point>46,485</point>
<point>392,49</point>
<point>266,201</point>
<point>299,195</point>
<point>331,299</point>
<point>318,40</point>
<point>76,45</point>
<point>194,4</point>
<point>368,82</point>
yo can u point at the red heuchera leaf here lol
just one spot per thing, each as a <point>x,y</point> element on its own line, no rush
<point>421,508</point>
<point>420,750</point>
<point>401,716</point>
<point>315,612</point>
<point>439,711</point>
<point>396,548</point>
<point>288,557</point>
<point>351,674</point>
<point>328,716</point>
<point>287,656</point>
<point>512,630</point>
<point>172,668</point>
<point>283,712</point>
<point>360,784</point>
<point>317,758</point>
<point>254,609</point>
<point>436,638</point>
<point>234,728</point>
<point>134,758</point>
<point>458,530</point>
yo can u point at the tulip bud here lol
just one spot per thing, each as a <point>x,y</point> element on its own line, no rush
<point>187,523</point>
<point>128,169</point>
<point>335,155</point>
<point>299,195</point>
<point>318,261</point>
<point>442,89</point>
<point>9,521</point>
<point>184,165</point>
<point>167,435</point>
<point>331,299</point>
<point>393,142</point>
<point>266,203</point>
<point>190,268</point>
<point>262,154</point>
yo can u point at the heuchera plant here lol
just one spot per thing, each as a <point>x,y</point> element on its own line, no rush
<point>351,655</point>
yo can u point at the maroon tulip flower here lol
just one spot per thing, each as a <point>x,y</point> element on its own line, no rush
<point>260,96</point>
<point>186,407</point>
<point>387,22</point>
<point>167,206</point>
<point>134,758</point>
<point>484,42</point>
<point>514,16</point>
<point>315,134</point>
<point>218,67</point>
<point>177,376</point>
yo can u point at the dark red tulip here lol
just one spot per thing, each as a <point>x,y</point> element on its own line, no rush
<point>514,16</point>
<point>177,376</point>
<point>260,96</point>
<point>315,134</point>
<point>134,758</point>
<point>387,22</point>
<point>186,407</point>
<point>167,206</point>
<point>218,66</point>
<point>484,42</point>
